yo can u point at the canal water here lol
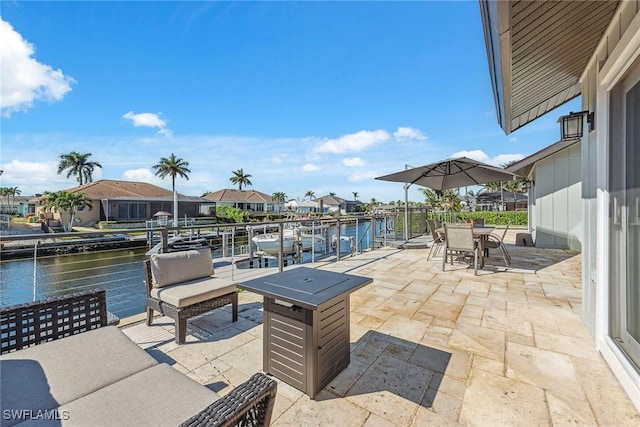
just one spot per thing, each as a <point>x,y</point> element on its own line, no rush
<point>120,272</point>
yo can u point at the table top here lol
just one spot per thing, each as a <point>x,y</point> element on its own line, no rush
<point>304,286</point>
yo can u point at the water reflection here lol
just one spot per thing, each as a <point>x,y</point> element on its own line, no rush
<point>119,272</point>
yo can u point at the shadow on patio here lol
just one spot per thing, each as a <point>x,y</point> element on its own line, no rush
<point>506,347</point>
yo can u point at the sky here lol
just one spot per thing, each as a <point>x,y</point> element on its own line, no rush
<point>303,96</point>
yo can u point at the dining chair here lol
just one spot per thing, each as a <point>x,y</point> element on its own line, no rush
<point>438,239</point>
<point>478,222</point>
<point>459,240</point>
<point>496,241</point>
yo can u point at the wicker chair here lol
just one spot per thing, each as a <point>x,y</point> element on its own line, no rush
<point>459,241</point>
<point>64,324</point>
<point>182,285</point>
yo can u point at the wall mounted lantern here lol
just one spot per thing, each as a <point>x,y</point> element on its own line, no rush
<point>572,125</point>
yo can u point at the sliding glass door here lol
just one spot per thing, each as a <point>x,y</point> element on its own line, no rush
<point>624,221</point>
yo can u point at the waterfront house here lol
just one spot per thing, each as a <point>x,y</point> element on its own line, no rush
<point>130,201</point>
<point>330,203</point>
<point>302,206</point>
<point>541,55</point>
<point>246,200</point>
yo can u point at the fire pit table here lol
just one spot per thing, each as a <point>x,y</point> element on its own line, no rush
<point>306,324</point>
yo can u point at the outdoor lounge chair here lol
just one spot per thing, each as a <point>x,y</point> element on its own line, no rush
<point>60,362</point>
<point>182,285</point>
<point>459,241</point>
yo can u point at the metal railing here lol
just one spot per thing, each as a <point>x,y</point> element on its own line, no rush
<point>37,266</point>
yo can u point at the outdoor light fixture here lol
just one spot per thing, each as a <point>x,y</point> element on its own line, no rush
<point>163,218</point>
<point>572,125</point>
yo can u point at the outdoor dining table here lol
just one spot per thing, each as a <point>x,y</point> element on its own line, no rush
<point>481,235</point>
<point>306,330</point>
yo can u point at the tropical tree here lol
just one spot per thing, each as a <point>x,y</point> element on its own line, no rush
<point>78,165</point>
<point>451,201</point>
<point>3,192</point>
<point>310,194</point>
<point>279,197</point>
<point>432,198</point>
<point>67,204</point>
<point>173,167</point>
<point>355,195</point>
<point>240,178</point>
<point>13,192</point>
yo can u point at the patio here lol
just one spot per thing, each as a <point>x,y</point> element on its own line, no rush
<point>429,347</point>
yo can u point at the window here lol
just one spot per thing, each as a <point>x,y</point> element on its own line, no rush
<point>133,210</point>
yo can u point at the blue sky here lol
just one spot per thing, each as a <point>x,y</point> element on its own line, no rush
<point>304,96</point>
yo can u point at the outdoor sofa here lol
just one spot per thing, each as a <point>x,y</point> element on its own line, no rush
<point>61,365</point>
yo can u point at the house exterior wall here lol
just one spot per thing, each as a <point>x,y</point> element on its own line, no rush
<point>557,209</point>
<point>618,51</point>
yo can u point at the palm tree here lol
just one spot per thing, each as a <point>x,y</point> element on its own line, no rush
<point>173,167</point>
<point>66,202</point>
<point>309,194</point>
<point>432,198</point>
<point>355,195</point>
<point>3,192</point>
<point>13,192</point>
<point>240,178</point>
<point>279,197</point>
<point>78,165</point>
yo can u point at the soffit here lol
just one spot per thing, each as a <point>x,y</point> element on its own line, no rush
<point>537,52</point>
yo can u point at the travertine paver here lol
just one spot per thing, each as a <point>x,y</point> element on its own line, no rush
<point>504,348</point>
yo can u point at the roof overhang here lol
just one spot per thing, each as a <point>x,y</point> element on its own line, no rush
<point>537,52</point>
<point>523,167</point>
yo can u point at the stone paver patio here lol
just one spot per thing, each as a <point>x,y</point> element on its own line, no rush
<point>504,348</point>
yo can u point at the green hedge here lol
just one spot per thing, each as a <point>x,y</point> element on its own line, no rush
<point>515,218</point>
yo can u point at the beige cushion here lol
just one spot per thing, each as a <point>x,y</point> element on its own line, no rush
<point>51,374</point>
<point>194,291</point>
<point>158,396</point>
<point>177,267</point>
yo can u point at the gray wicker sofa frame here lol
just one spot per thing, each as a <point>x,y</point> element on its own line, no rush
<point>180,314</point>
<point>62,348</point>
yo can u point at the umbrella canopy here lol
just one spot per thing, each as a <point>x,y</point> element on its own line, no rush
<point>451,173</point>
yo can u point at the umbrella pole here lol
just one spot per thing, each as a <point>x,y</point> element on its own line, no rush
<point>406,212</point>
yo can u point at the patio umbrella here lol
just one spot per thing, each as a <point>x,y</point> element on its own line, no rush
<point>446,174</point>
<point>451,173</point>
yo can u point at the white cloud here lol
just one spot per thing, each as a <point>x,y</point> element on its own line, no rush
<point>502,159</point>
<point>478,155</point>
<point>513,139</point>
<point>142,175</point>
<point>405,134</point>
<point>276,159</point>
<point>353,162</point>
<point>309,167</point>
<point>362,176</point>
<point>24,80</point>
<point>354,142</point>
<point>151,120</point>
<point>38,177</point>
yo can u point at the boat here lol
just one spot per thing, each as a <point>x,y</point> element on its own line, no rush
<point>183,243</point>
<point>294,239</point>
